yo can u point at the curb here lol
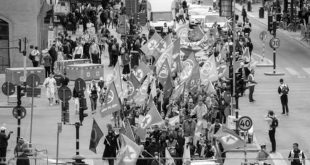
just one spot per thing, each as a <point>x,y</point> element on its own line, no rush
<point>265,63</point>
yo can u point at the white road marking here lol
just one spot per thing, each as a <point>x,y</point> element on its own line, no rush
<point>278,159</point>
<point>307,70</point>
<point>292,71</point>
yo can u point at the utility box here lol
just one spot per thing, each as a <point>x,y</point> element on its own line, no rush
<point>85,71</point>
<point>16,75</point>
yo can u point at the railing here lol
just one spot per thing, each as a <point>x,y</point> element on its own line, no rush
<point>149,160</point>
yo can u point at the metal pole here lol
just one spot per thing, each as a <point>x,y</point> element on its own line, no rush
<point>274,60</point>
<point>77,127</point>
<point>31,118</point>
<point>18,125</point>
<point>57,145</point>
<point>233,55</point>
<point>245,152</point>
<point>263,52</point>
<point>25,58</point>
<point>8,90</point>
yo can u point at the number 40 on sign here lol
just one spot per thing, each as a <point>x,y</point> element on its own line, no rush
<point>245,123</point>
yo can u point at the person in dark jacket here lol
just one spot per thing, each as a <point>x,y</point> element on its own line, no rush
<point>3,144</point>
<point>111,146</point>
<point>53,53</point>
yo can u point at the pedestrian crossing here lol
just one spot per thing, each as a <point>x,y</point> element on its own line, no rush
<point>300,73</point>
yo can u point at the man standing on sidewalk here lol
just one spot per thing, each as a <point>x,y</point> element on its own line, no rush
<point>273,124</point>
<point>3,144</point>
<point>283,92</point>
<point>296,156</point>
<point>252,83</point>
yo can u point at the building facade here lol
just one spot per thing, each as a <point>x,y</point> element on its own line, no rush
<point>20,19</point>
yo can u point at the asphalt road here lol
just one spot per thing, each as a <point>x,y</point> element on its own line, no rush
<point>293,59</point>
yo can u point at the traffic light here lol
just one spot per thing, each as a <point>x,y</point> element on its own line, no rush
<point>274,28</point>
<point>83,107</point>
<point>270,23</point>
<point>239,83</point>
<point>20,45</point>
<point>21,91</point>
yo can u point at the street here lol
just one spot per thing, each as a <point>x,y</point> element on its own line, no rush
<point>293,59</point>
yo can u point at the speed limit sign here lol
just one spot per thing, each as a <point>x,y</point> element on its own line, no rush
<point>274,43</point>
<point>245,123</point>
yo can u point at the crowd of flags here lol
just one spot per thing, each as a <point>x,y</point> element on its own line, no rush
<point>168,60</point>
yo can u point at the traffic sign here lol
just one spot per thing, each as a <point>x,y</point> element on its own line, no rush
<point>22,110</point>
<point>245,123</point>
<point>274,43</point>
<point>8,88</point>
<point>64,93</point>
<point>80,85</point>
<point>33,80</point>
<point>263,35</point>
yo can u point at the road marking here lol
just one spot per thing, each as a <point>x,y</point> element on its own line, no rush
<point>292,71</point>
<point>89,161</point>
<point>307,70</point>
<point>278,159</point>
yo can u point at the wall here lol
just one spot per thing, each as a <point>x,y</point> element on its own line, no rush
<point>22,16</point>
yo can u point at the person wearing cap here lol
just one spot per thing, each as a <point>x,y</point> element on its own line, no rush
<point>4,143</point>
<point>262,154</point>
<point>21,152</point>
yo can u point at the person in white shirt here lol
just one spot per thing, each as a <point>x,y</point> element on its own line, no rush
<point>34,56</point>
<point>50,85</point>
<point>78,52</point>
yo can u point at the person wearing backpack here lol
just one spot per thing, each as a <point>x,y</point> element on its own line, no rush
<point>296,156</point>
<point>283,92</point>
<point>273,123</point>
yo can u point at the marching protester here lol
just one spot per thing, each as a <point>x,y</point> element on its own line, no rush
<point>34,56</point>
<point>283,90</point>
<point>93,91</point>
<point>47,62</point>
<point>4,138</point>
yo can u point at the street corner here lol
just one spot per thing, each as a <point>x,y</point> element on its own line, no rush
<point>261,61</point>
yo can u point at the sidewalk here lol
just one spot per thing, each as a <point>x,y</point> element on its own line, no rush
<point>255,15</point>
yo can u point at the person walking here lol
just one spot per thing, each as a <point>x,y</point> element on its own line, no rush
<point>78,51</point>
<point>273,124</point>
<point>94,52</point>
<point>244,14</point>
<point>50,84</point>
<point>252,83</point>
<point>283,92</point>
<point>53,53</point>
<point>47,62</point>
<point>296,156</point>
<point>4,144</point>
<point>111,146</point>
<point>93,95</point>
